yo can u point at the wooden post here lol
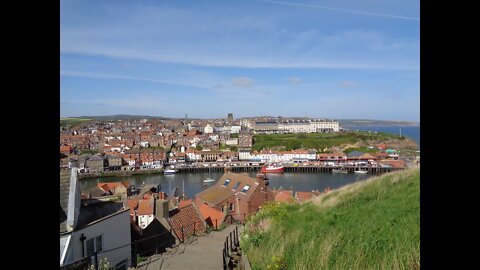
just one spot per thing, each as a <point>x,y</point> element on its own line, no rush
<point>194,228</point>
<point>183,236</point>
<point>216,227</point>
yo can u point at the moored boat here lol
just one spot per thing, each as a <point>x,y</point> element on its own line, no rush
<point>339,171</point>
<point>273,168</point>
<point>169,171</point>
<point>361,171</point>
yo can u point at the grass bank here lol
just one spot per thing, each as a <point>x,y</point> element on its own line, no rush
<point>317,141</point>
<point>374,224</point>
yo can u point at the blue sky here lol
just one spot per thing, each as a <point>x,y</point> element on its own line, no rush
<point>333,59</point>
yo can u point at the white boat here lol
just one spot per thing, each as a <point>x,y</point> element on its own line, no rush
<point>339,171</point>
<point>209,179</point>
<point>361,171</point>
<point>169,171</point>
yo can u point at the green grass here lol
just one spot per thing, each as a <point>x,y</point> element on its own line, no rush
<point>72,121</point>
<point>373,224</point>
<point>317,141</point>
<point>361,149</point>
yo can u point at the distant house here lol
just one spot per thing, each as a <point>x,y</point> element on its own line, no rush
<point>66,149</point>
<point>91,226</point>
<point>145,212</point>
<point>95,164</point>
<point>114,163</point>
<point>238,195</point>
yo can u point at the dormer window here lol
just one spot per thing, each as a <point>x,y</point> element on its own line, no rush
<point>227,182</point>
<point>245,188</point>
<point>236,185</point>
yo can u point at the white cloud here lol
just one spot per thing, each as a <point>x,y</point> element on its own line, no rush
<point>348,84</point>
<point>294,80</point>
<point>242,81</point>
<point>359,12</point>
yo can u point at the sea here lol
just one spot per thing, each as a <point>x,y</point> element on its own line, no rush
<point>412,132</point>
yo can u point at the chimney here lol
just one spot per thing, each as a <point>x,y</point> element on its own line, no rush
<point>227,170</point>
<point>161,209</point>
<point>263,181</point>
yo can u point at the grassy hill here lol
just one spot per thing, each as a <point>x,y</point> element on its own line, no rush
<point>317,141</point>
<point>374,224</point>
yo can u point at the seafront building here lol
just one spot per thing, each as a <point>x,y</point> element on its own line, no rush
<point>296,126</point>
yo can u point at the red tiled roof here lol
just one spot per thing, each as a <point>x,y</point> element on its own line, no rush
<point>111,185</point>
<point>211,213</point>
<point>368,156</point>
<point>132,204</point>
<point>184,203</point>
<point>303,195</point>
<point>185,218</point>
<point>145,207</point>
<point>284,196</point>
<point>394,163</point>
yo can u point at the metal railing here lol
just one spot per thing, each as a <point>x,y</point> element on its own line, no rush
<point>230,246</point>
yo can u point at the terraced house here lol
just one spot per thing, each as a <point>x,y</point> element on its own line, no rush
<point>238,195</point>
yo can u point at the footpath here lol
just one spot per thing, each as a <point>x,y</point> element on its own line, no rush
<point>203,252</point>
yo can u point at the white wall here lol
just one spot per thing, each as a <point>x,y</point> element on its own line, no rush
<point>115,231</point>
<point>144,220</point>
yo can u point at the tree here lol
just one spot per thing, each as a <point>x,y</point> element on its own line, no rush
<point>199,147</point>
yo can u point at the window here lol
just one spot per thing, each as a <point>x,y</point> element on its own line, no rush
<point>245,188</point>
<point>236,185</point>
<point>226,182</point>
<point>231,207</point>
<point>94,245</point>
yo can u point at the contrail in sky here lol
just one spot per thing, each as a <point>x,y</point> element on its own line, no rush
<point>340,9</point>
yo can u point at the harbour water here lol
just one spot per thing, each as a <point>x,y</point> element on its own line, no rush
<point>194,181</point>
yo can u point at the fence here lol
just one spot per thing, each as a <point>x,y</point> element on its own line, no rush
<point>230,246</point>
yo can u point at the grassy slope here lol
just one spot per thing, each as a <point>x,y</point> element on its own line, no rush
<point>313,140</point>
<point>374,224</point>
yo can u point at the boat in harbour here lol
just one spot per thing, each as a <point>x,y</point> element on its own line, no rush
<point>339,171</point>
<point>273,168</point>
<point>169,171</point>
<point>209,178</point>
<point>360,171</point>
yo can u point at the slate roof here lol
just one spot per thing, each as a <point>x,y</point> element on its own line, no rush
<point>355,154</point>
<point>185,218</point>
<point>64,191</point>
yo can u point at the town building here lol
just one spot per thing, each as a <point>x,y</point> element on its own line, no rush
<point>238,195</point>
<point>91,226</point>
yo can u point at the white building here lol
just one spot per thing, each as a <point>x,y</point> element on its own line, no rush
<point>208,129</point>
<point>244,155</point>
<point>93,226</point>
<point>145,212</point>
<point>233,141</point>
<point>235,129</point>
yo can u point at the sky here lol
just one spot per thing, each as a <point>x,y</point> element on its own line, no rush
<point>340,59</point>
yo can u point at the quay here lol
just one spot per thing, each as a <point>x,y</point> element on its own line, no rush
<point>239,168</point>
<point>290,168</point>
